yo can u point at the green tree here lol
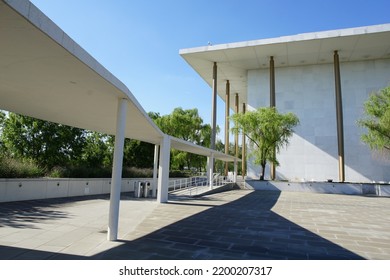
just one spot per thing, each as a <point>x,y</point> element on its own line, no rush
<point>186,125</point>
<point>48,144</point>
<point>377,120</point>
<point>220,165</point>
<point>138,154</point>
<point>2,120</point>
<point>97,151</point>
<point>267,131</point>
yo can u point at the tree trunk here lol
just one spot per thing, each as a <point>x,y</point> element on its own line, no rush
<point>262,172</point>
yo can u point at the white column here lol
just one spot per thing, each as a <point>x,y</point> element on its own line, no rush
<point>214,108</point>
<point>208,168</point>
<point>163,171</point>
<point>235,171</point>
<point>116,179</point>
<point>227,124</point>
<point>211,171</point>
<point>155,170</point>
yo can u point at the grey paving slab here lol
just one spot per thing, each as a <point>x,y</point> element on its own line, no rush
<point>236,224</point>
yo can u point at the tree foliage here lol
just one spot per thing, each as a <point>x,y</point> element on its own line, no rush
<point>186,125</point>
<point>65,151</point>
<point>377,121</point>
<point>267,131</point>
<point>48,143</point>
<point>98,150</point>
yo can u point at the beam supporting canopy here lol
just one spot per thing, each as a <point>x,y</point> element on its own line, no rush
<point>116,180</point>
<point>182,145</point>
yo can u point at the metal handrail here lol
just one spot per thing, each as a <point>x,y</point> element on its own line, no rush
<point>197,184</point>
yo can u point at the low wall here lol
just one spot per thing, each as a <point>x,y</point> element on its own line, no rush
<point>321,187</point>
<point>42,188</point>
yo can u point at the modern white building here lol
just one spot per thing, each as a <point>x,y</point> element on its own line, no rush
<point>322,77</point>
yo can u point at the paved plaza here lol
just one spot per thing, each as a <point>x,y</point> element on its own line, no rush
<point>236,224</point>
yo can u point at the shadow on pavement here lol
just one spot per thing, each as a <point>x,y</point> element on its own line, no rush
<point>246,228</point>
<point>10,253</point>
<point>26,214</point>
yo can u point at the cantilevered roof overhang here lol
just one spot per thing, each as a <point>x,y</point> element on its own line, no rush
<point>46,75</point>
<point>235,59</point>
<point>186,146</point>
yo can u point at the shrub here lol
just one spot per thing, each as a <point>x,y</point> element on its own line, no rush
<point>17,168</point>
<point>134,172</point>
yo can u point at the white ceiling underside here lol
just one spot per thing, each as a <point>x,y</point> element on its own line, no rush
<point>46,75</point>
<point>235,59</point>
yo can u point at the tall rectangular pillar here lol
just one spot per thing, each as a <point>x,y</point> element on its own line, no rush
<point>272,103</point>
<point>210,161</point>
<point>339,117</point>
<point>155,170</point>
<point>116,180</point>
<point>227,124</point>
<point>236,134</point>
<point>214,108</point>
<point>243,144</point>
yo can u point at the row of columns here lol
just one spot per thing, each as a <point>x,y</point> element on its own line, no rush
<point>227,127</point>
<point>339,116</point>
<point>164,148</point>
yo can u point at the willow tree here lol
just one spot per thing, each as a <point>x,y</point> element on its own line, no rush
<point>377,121</point>
<point>267,131</point>
<point>186,124</point>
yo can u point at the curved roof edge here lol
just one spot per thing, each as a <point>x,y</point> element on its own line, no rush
<point>45,74</point>
<point>51,29</point>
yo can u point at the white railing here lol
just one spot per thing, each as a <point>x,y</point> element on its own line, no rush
<point>178,184</point>
<point>197,185</point>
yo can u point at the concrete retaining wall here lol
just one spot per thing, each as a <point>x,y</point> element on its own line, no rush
<point>321,187</point>
<point>29,189</point>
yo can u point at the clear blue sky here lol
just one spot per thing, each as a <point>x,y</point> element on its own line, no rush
<point>139,40</point>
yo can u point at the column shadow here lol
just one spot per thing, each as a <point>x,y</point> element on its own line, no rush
<point>246,228</point>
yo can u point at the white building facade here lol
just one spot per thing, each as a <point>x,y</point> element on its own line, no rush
<point>306,74</point>
<point>309,92</point>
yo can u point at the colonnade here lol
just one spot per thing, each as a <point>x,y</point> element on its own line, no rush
<point>272,94</point>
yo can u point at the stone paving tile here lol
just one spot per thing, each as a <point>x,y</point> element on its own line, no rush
<point>236,224</point>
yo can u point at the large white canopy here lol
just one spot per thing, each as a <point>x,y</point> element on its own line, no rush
<point>46,75</point>
<point>235,59</point>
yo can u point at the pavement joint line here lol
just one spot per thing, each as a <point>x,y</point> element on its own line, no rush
<point>236,224</point>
